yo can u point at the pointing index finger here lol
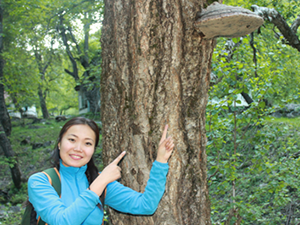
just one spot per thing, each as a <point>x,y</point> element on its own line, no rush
<point>164,135</point>
<point>118,159</point>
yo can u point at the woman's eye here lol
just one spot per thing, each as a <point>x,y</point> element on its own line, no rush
<point>71,139</point>
<point>88,143</point>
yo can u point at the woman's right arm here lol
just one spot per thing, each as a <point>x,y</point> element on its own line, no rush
<point>50,207</point>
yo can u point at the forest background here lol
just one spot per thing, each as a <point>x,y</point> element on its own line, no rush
<point>50,47</point>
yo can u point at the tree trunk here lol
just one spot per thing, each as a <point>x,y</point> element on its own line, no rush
<point>5,124</point>
<point>156,71</point>
<point>9,153</point>
<point>93,96</point>
<point>42,69</point>
<point>43,103</point>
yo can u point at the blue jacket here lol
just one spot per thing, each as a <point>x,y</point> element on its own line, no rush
<point>78,205</point>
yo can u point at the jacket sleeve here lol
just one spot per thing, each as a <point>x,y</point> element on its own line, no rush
<point>126,200</point>
<point>52,210</point>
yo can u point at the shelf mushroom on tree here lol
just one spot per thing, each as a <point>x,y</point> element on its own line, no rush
<point>219,20</point>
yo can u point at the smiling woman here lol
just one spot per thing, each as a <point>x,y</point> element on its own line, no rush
<point>82,184</point>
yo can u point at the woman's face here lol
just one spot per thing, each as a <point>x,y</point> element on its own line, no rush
<point>77,145</point>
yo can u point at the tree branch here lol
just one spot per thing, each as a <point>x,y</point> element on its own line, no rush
<point>65,41</point>
<point>83,61</point>
<point>70,73</point>
<point>296,24</point>
<point>86,29</point>
<point>74,40</point>
<point>214,174</point>
<point>254,52</point>
<point>47,64</point>
<point>274,17</point>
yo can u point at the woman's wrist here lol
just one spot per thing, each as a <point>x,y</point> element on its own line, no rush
<point>161,160</point>
<point>97,186</point>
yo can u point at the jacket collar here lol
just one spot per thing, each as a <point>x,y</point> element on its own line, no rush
<point>72,170</point>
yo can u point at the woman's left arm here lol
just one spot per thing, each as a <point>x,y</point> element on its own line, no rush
<point>126,200</point>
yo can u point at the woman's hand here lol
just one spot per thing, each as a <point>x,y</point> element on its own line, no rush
<point>165,147</point>
<point>110,173</point>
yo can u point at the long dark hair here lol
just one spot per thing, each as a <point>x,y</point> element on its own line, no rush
<point>91,171</point>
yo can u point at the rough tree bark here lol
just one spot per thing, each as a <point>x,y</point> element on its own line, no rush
<point>156,70</point>
<point>5,124</point>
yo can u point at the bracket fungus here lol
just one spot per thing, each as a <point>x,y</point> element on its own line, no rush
<point>219,20</point>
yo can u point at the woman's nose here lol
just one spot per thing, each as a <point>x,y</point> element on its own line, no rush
<point>78,147</point>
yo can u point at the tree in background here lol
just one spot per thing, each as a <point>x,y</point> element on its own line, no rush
<point>42,66</point>
<point>62,97</point>
<point>79,51</point>
<point>31,35</point>
<point>282,23</point>
<point>5,125</point>
<point>28,37</point>
<point>282,20</point>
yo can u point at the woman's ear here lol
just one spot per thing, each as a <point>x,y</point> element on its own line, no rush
<point>58,145</point>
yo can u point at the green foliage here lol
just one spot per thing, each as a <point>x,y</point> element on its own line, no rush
<point>18,196</point>
<point>62,97</point>
<point>253,163</point>
<point>19,79</point>
<point>10,162</point>
<point>262,161</point>
<point>253,160</point>
<point>9,216</point>
<point>35,54</point>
